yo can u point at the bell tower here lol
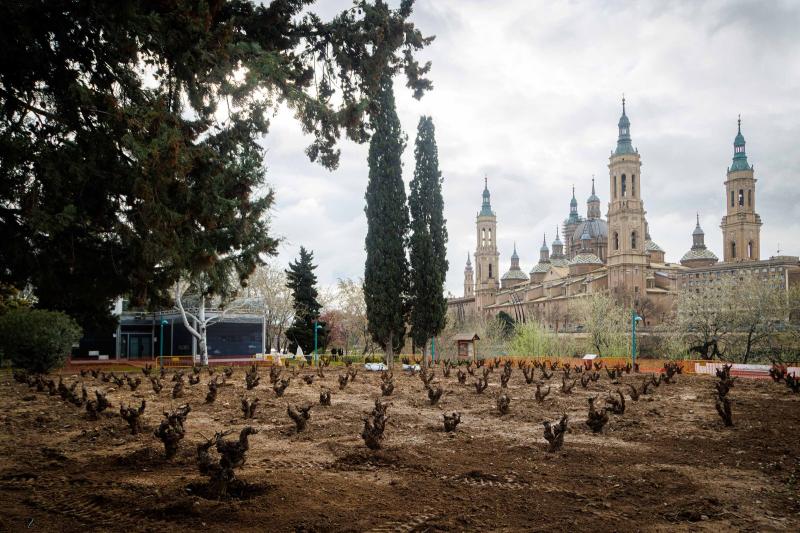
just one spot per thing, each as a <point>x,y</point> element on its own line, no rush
<point>741,226</point>
<point>487,258</point>
<point>469,280</point>
<point>627,256</point>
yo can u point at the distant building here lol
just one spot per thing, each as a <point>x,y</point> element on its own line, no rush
<point>617,255</point>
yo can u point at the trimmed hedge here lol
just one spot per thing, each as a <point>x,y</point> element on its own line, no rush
<point>37,340</point>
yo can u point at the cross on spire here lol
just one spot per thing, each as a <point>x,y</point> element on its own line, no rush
<point>623,103</point>
<point>740,123</point>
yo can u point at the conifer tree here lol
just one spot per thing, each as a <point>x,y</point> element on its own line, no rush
<point>131,145</point>
<point>428,240</point>
<point>303,283</point>
<point>386,269</point>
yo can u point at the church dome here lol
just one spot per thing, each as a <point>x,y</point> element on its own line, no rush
<point>541,268</point>
<point>650,246</point>
<point>514,274</point>
<point>595,228</point>
<point>586,258</point>
<point>699,254</point>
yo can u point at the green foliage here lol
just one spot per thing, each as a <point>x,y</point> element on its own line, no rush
<point>605,322</point>
<point>303,283</point>
<point>533,340</point>
<point>428,242</point>
<point>130,134</point>
<point>12,298</point>
<point>493,339</point>
<point>386,269</point>
<point>37,340</point>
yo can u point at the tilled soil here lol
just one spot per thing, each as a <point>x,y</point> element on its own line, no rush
<point>667,463</point>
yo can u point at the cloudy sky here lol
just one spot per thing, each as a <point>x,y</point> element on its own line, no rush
<point>528,93</point>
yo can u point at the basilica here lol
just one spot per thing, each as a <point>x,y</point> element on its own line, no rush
<point>617,255</point>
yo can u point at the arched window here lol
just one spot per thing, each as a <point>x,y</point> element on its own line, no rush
<point>616,240</point>
<point>750,250</point>
<point>490,270</point>
<point>633,185</point>
<point>624,186</point>
<point>483,236</point>
<point>733,250</point>
<point>615,186</point>
<point>741,197</point>
<point>749,197</point>
<point>732,201</point>
<point>633,240</point>
<point>489,240</point>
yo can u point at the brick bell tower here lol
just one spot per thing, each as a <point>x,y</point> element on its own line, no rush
<point>487,258</point>
<point>627,256</point>
<point>741,226</point>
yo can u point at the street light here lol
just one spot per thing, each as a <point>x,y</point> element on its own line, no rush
<point>164,322</point>
<point>634,319</point>
<point>317,327</point>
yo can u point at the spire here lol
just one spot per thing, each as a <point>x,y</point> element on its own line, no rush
<point>698,236</point>
<point>593,204</point>
<point>514,255</point>
<point>573,217</point>
<point>557,242</point>
<point>624,145</point>
<point>697,229</point>
<point>544,244</point>
<point>469,263</point>
<point>739,154</point>
<point>486,207</point>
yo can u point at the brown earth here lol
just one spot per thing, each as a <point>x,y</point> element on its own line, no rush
<point>667,463</point>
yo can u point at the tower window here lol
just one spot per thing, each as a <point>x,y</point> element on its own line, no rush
<point>633,185</point>
<point>616,240</point>
<point>749,197</point>
<point>615,186</point>
<point>483,237</point>
<point>490,270</point>
<point>741,197</point>
<point>732,201</point>
<point>750,250</point>
<point>733,250</point>
<point>624,186</point>
<point>489,240</point>
<point>633,240</point>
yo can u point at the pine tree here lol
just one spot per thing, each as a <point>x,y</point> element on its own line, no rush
<point>428,239</point>
<point>302,281</point>
<point>386,270</point>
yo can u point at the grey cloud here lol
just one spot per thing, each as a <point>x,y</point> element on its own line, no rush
<point>528,92</point>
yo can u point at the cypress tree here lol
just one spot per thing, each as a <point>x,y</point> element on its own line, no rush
<point>428,241</point>
<point>302,281</point>
<point>386,269</point>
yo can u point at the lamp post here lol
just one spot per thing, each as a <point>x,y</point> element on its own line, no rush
<point>161,342</point>
<point>317,327</point>
<point>634,319</point>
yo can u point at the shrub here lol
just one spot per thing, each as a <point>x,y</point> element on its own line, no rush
<point>37,340</point>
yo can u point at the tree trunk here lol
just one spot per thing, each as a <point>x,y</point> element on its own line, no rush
<point>203,340</point>
<point>389,352</point>
<point>748,346</point>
